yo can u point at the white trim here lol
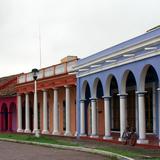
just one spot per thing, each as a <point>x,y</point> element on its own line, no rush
<point>121,52</point>
<point>95,65</point>
<point>129,55</point>
<point>83,69</point>
<point>150,48</point>
<point>126,61</point>
<point>110,60</point>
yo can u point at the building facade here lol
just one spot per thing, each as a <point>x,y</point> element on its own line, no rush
<point>56,99</point>
<point>120,87</point>
<point>8,103</point>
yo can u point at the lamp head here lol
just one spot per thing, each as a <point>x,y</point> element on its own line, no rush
<point>35,73</point>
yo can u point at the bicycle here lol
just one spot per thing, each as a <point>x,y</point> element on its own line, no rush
<point>129,136</point>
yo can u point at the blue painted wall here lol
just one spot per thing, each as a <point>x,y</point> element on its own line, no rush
<point>137,68</point>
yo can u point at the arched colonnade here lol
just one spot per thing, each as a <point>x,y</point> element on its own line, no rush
<point>120,97</point>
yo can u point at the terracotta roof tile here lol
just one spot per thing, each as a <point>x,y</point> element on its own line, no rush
<point>7,86</point>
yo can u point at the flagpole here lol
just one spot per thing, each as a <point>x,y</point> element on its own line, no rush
<point>40,51</point>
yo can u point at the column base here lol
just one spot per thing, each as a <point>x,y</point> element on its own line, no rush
<point>27,131</point>
<point>76,134</point>
<point>56,133</point>
<point>67,134</point>
<point>142,141</point>
<point>35,131</point>
<point>107,138</point>
<point>45,132</point>
<point>20,130</point>
<point>94,136</point>
<point>120,139</point>
<point>82,135</point>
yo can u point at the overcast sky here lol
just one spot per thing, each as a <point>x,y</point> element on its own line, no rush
<point>67,27</point>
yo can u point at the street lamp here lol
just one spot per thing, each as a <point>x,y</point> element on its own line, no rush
<point>35,111</point>
<point>35,73</point>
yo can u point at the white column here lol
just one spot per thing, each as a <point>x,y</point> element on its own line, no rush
<point>27,117</point>
<point>19,114</point>
<point>107,118</point>
<point>142,120</point>
<point>123,108</point>
<point>55,113</point>
<point>45,124</point>
<point>94,118</point>
<point>82,117</point>
<point>68,132</point>
<point>35,109</point>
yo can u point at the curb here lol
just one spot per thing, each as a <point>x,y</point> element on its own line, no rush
<point>76,148</point>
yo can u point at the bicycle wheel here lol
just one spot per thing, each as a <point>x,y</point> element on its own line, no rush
<point>133,139</point>
<point>124,138</point>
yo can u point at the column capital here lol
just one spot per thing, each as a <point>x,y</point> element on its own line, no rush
<point>107,97</point>
<point>158,89</point>
<point>141,93</point>
<point>26,93</point>
<point>55,88</point>
<point>44,90</point>
<point>67,86</point>
<point>32,92</point>
<point>82,100</point>
<point>124,95</point>
<point>93,99</point>
<point>19,94</point>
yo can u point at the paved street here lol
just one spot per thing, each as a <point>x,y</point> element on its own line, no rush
<point>16,151</point>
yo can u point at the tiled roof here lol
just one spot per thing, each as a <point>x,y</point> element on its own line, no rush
<point>7,86</point>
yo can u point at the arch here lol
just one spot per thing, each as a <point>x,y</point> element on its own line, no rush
<point>4,107</point>
<point>4,117</point>
<point>84,88</point>
<point>150,85</point>
<point>97,82</point>
<point>143,76</point>
<point>128,87</point>
<point>108,84</point>
<point>12,107</point>
<point>124,80</point>
<point>97,91</point>
<point>114,102</point>
<point>86,95</point>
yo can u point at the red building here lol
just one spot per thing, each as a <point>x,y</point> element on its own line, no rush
<point>8,103</point>
<point>56,100</point>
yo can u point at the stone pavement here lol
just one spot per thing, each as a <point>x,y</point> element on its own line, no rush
<point>16,151</point>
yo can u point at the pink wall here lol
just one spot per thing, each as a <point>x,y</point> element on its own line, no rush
<point>11,104</point>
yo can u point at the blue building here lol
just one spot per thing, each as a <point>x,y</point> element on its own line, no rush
<point>119,87</point>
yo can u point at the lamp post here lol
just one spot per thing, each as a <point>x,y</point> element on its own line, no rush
<point>35,110</point>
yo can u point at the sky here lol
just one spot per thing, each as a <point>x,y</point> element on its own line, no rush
<point>67,27</point>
